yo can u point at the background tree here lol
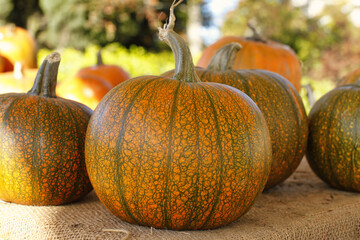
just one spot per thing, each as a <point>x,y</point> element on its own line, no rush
<point>312,38</point>
<point>77,23</point>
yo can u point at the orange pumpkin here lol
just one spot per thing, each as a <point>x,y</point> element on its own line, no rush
<point>351,77</point>
<point>86,89</point>
<point>17,81</point>
<point>279,102</point>
<point>111,73</point>
<point>42,143</point>
<point>17,45</point>
<point>259,54</point>
<point>177,153</point>
<point>2,64</point>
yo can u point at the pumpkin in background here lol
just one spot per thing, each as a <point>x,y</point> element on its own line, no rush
<point>42,143</point>
<point>334,138</point>
<point>279,102</point>
<point>86,89</point>
<point>177,153</point>
<point>18,81</point>
<point>258,53</point>
<point>17,45</point>
<point>350,78</point>
<point>111,73</point>
<point>2,64</point>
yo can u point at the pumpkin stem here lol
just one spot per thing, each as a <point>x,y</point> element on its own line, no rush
<point>99,60</point>
<point>46,77</point>
<point>256,36</point>
<point>184,66</point>
<point>10,29</point>
<point>224,58</point>
<point>18,70</point>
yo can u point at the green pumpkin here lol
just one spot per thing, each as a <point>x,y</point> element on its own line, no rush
<point>42,139</point>
<point>334,138</point>
<point>177,153</point>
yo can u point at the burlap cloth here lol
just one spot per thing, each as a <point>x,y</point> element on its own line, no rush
<point>303,207</point>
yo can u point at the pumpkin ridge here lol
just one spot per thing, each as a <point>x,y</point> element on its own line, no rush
<point>166,195</point>
<point>142,143</point>
<point>120,141</point>
<point>9,108</point>
<point>193,218</point>
<point>331,117</point>
<point>328,140</point>
<point>62,107</point>
<point>244,83</point>
<point>218,140</point>
<point>297,118</point>
<point>243,120</point>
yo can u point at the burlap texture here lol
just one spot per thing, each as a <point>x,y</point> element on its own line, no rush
<point>303,207</point>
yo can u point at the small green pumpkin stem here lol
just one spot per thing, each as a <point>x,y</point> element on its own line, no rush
<point>99,60</point>
<point>224,58</point>
<point>46,77</point>
<point>184,66</point>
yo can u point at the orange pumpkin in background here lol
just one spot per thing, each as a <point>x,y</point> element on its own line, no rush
<point>352,77</point>
<point>17,45</point>
<point>2,64</point>
<point>258,53</point>
<point>86,89</point>
<point>18,81</point>
<point>111,73</point>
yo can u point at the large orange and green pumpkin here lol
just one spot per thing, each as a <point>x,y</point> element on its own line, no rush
<point>334,138</point>
<point>350,78</point>
<point>42,139</point>
<point>279,102</point>
<point>110,72</point>
<point>258,53</point>
<point>177,153</point>
<point>17,45</point>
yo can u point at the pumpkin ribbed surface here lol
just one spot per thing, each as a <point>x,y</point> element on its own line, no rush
<point>170,154</point>
<point>334,138</point>
<point>283,110</point>
<point>42,144</point>
<point>42,150</point>
<point>267,55</point>
<point>177,153</point>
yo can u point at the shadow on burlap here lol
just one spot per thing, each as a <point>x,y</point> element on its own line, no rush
<point>303,207</point>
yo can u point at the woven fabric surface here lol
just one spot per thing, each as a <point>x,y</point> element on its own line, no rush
<point>303,207</point>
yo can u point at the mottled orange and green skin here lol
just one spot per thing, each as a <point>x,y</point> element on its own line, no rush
<point>268,55</point>
<point>352,77</point>
<point>177,155</point>
<point>334,138</point>
<point>279,102</point>
<point>42,138</point>
<point>283,110</point>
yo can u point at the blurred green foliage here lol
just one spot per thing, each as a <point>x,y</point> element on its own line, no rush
<point>135,60</point>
